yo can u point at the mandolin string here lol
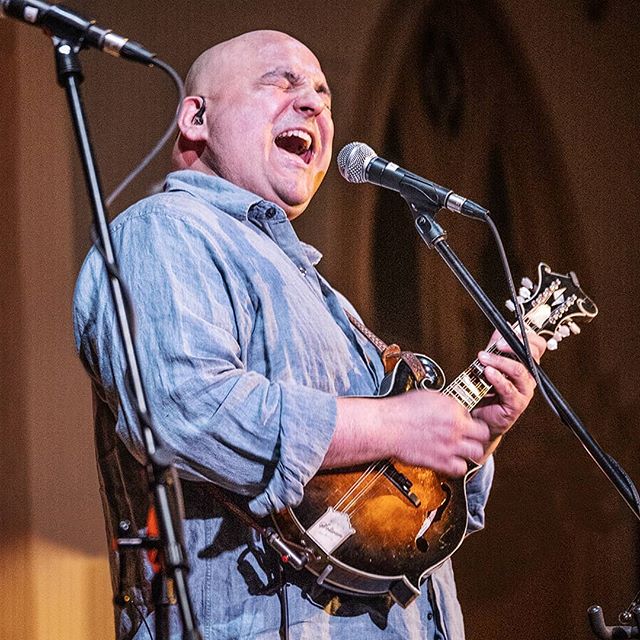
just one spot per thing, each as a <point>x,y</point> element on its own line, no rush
<point>351,506</point>
<point>459,390</point>
<point>356,490</point>
<point>457,387</point>
<point>468,388</point>
<point>369,485</point>
<point>356,504</point>
<point>363,477</point>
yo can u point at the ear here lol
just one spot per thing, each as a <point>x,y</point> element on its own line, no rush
<point>192,119</point>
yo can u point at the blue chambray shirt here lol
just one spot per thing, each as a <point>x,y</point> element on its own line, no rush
<point>244,348</point>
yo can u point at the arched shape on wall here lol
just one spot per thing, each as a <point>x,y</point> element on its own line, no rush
<point>453,100</point>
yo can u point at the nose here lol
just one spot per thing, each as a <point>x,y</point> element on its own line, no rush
<point>310,103</point>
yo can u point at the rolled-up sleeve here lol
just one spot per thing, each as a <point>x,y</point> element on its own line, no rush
<point>478,489</point>
<point>259,436</point>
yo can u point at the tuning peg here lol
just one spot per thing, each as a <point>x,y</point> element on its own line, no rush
<point>509,304</point>
<point>563,330</point>
<point>519,299</point>
<point>524,293</point>
<point>552,344</point>
<point>574,328</point>
<point>558,336</point>
<point>526,282</point>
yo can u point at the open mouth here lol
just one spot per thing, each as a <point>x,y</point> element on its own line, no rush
<point>297,142</point>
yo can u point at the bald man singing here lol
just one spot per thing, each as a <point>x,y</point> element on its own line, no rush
<point>251,363</point>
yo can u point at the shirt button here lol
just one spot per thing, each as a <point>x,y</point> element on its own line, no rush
<point>429,616</point>
<point>270,213</point>
<point>302,270</point>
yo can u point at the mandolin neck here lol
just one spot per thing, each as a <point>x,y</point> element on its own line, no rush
<point>470,386</point>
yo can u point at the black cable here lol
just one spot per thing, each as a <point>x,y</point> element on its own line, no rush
<point>144,620</point>
<point>169,132</point>
<point>518,311</point>
<point>531,363</point>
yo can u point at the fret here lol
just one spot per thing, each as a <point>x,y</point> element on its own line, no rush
<point>467,399</point>
<point>482,385</point>
<point>469,387</point>
<point>477,369</point>
<point>452,391</point>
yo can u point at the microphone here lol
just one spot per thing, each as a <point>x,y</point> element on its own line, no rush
<point>359,163</point>
<point>58,20</point>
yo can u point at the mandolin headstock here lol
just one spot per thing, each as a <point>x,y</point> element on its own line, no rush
<point>557,306</point>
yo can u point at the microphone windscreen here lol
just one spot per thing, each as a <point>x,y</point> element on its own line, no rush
<point>353,160</point>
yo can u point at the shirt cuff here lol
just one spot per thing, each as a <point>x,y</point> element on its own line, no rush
<point>308,421</point>
<point>478,489</point>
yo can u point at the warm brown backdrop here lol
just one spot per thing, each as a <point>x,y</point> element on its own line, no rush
<point>528,107</point>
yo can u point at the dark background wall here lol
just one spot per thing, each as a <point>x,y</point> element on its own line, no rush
<point>528,107</point>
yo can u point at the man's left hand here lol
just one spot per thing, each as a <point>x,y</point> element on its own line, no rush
<point>513,386</point>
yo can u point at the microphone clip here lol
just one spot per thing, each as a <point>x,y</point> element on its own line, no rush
<point>424,219</point>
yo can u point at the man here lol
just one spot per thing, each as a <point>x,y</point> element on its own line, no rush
<point>250,360</point>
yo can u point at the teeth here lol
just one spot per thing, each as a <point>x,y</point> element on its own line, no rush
<point>298,133</point>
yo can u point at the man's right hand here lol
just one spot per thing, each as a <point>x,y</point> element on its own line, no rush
<point>421,428</point>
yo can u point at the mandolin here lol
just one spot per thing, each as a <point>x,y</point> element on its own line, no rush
<point>382,528</point>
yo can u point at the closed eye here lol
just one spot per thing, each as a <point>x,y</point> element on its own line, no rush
<point>290,80</point>
<point>282,78</point>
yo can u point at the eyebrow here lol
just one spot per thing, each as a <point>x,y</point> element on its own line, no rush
<point>294,78</point>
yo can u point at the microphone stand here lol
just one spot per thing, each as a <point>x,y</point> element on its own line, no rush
<point>629,629</point>
<point>163,481</point>
<point>424,210</point>
<point>434,237</point>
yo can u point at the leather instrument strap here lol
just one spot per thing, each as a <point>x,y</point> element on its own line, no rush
<point>390,353</point>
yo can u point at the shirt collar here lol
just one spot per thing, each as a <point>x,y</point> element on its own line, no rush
<point>313,255</point>
<point>226,196</point>
<point>215,191</point>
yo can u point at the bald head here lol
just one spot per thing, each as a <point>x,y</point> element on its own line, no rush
<point>266,124</point>
<point>231,55</point>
